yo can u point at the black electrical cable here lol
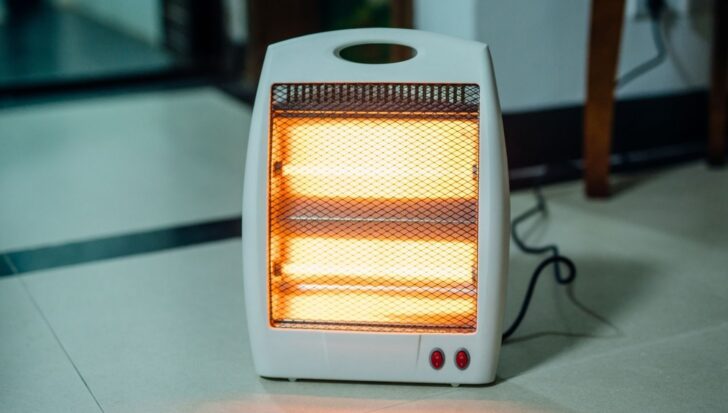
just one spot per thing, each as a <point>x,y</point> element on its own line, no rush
<point>555,259</point>
<point>656,7</point>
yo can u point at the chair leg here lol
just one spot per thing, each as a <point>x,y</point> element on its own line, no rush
<point>604,40</point>
<point>717,110</point>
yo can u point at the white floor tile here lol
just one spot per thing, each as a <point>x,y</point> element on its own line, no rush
<point>105,166</point>
<point>155,332</point>
<point>35,374</point>
<point>637,282</point>
<point>686,202</point>
<point>167,332</point>
<point>682,373</point>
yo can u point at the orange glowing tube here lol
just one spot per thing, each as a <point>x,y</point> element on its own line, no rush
<point>376,281</point>
<point>436,261</point>
<point>378,158</point>
<point>378,308</point>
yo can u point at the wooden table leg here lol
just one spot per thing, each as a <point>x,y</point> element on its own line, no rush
<point>717,110</point>
<point>402,14</point>
<point>604,39</point>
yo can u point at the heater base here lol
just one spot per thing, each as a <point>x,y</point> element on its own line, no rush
<point>376,357</point>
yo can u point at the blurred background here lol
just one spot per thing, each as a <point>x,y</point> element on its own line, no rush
<point>540,50</point>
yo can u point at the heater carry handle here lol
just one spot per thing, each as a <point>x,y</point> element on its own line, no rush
<point>437,59</point>
<point>429,48</point>
<point>426,45</point>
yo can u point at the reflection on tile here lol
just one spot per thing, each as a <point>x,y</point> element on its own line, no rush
<point>297,403</point>
<point>321,397</point>
<point>108,166</point>
<point>35,375</point>
<point>502,396</point>
<point>457,402</point>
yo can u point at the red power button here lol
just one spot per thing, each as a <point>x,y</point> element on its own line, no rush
<point>462,359</point>
<point>437,359</point>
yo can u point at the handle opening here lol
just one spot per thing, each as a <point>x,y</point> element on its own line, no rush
<point>376,53</point>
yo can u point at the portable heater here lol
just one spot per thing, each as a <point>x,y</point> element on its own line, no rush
<point>375,212</point>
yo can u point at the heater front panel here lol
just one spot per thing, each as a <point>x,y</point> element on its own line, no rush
<point>373,207</point>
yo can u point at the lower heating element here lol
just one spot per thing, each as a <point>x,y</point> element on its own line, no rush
<point>373,201</point>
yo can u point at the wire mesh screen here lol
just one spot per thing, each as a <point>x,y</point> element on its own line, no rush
<point>373,194</point>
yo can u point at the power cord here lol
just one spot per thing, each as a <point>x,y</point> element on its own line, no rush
<point>656,8</point>
<point>554,259</point>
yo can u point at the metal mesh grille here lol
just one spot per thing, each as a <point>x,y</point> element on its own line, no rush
<point>373,192</point>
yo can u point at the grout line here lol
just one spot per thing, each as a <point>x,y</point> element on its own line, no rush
<point>58,340</point>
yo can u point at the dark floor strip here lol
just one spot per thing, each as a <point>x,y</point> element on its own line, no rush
<point>623,163</point>
<point>5,266</point>
<point>75,89</point>
<point>120,246</point>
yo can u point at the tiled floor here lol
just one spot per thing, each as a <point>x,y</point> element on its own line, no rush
<point>644,327</point>
<point>35,373</point>
<point>109,166</point>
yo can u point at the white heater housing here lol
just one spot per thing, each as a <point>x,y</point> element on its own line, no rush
<point>375,212</point>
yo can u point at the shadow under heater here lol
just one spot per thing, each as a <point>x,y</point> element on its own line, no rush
<point>373,211</point>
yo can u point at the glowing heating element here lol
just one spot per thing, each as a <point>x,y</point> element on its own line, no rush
<point>373,192</point>
<point>378,161</point>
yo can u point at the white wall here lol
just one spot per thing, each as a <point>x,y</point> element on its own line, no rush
<point>539,47</point>
<point>139,18</point>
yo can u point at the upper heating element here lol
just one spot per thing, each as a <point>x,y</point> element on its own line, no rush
<point>373,207</point>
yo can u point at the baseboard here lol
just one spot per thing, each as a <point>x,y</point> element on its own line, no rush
<point>546,145</point>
